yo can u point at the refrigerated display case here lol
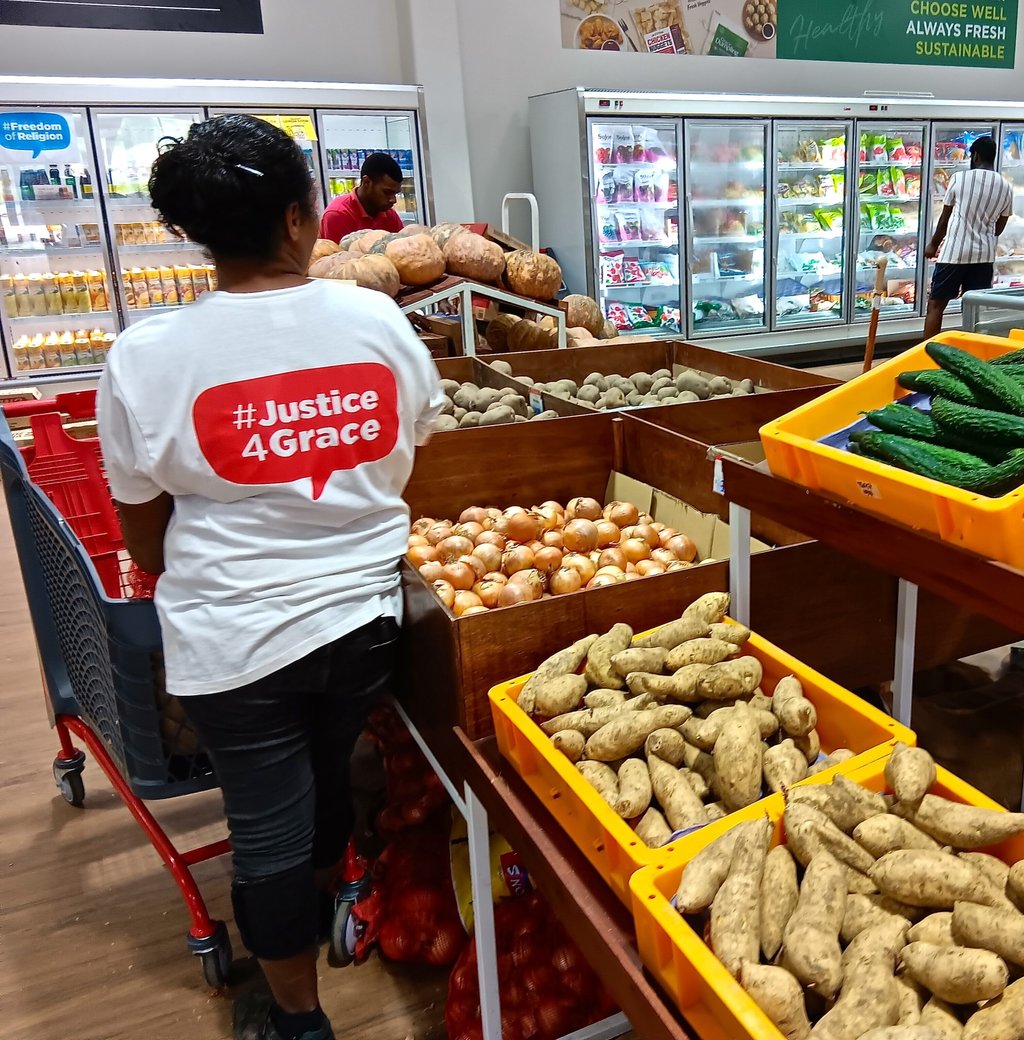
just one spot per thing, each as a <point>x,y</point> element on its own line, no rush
<point>827,219</point>
<point>82,252</point>
<point>635,173</point>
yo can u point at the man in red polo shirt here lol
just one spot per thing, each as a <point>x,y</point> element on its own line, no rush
<point>371,206</point>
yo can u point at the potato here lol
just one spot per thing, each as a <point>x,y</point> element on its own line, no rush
<point>450,386</point>
<point>653,829</point>
<point>735,921</point>
<point>943,1021</point>
<point>704,874</point>
<point>470,419</point>
<point>681,686</point>
<point>778,995</point>
<point>634,789</point>
<point>570,742</point>
<point>865,911</point>
<point>565,662</point>
<point>729,632</point>
<point>710,608</point>
<point>779,895</point>
<point>730,679</point>
<point>994,869</point>
<point>640,659</point>
<point>605,699</point>
<point>936,928</point>
<point>678,800</point>
<point>738,759</point>
<point>909,772</point>
<point>628,730</point>
<point>466,396</point>
<point>887,833</point>
<point>445,423</point>
<point>811,936</point>
<point>962,826</point>
<point>699,651</point>
<point>674,633</point>
<point>668,745</point>
<point>720,386</point>
<point>602,778</point>
<point>932,879</point>
<point>599,670</point>
<point>587,721</point>
<point>784,765</point>
<point>1001,1020</point>
<point>954,974</point>
<point>1015,884</point>
<point>694,383</point>
<point>559,695</point>
<point>984,928</point>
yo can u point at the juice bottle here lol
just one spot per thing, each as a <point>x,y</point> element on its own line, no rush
<point>51,289</point>
<point>36,354</point>
<point>169,286</point>
<point>98,353</point>
<point>7,292</point>
<point>20,349</point>
<point>140,286</point>
<point>81,282</point>
<point>183,277</point>
<point>68,355</point>
<point>68,294</point>
<point>200,282</point>
<point>156,289</point>
<point>211,276</point>
<point>98,290</point>
<point>36,295</point>
<point>83,347</point>
<point>108,342</point>
<point>129,289</point>
<point>21,298</point>
<point>54,352</point>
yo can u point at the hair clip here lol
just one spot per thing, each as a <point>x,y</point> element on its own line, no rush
<point>249,169</point>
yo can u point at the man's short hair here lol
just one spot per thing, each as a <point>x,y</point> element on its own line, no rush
<point>380,165</point>
<point>984,149</point>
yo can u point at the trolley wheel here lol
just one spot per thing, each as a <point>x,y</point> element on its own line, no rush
<point>344,933</point>
<point>214,954</point>
<point>68,777</point>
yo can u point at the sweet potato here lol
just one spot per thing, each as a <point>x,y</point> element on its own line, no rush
<point>628,730</point>
<point>954,974</point>
<point>909,772</point>
<point>994,869</point>
<point>559,695</point>
<point>696,781</point>
<point>1015,884</point>
<point>672,634</point>
<point>869,1000</point>
<point>779,895</point>
<point>936,928</point>
<point>912,999</point>
<point>811,937</point>
<point>1003,1019</point>
<point>653,829</point>
<point>735,922</point>
<point>570,742</point>
<point>887,833</point>
<point>844,848</point>
<point>810,745</point>
<point>860,883</point>
<point>700,651</point>
<point>730,679</point>
<point>668,745</point>
<point>866,911</point>
<point>587,721</point>
<point>716,811</point>
<point>845,804</point>
<point>778,995</point>
<point>605,699</point>
<point>984,928</point>
<point>681,686</point>
<point>704,874</point>
<point>565,662</point>
<point>962,826</point>
<point>784,765</point>
<point>932,879</point>
<point>677,798</point>
<point>710,608</point>
<point>796,714</point>
<point>913,1031</point>
<point>703,765</point>
<point>833,758</point>
<point>602,778</point>
<point>634,789</point>
<point>704,732</point>
<point>885,939</point>
<point>737,757</point>
<point>599,670</point>
<point>943,1020</point>
<point>639,659</point>
<point>729,632</point>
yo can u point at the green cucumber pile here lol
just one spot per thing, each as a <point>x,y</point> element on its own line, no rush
<point>973,437</point>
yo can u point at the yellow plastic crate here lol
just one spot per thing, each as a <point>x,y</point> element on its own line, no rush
<point>990,527</point>
<point>844,720</point>
<point>711,1000</point>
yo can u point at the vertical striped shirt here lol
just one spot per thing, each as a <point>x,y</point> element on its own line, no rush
<point>979,198</point>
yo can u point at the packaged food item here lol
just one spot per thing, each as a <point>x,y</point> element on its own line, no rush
<point>897,152</point>
<point>168,286</point>
<point>66,357</point>
<point>865,217</point>
<point>7,292</point>
<point>36,352</point>
<point>664,186</point>
<point>151,232</point>
<point>81,283</point>
<point>915,152</point>
<point>876,149</point>
<point>833,150</point>
<point>211,277</point>
<point>896,221</point>
<point>155,286</point>
<point>624,186</point>
<point>139,233</point>
<point>809,152</point>
<point>863,148</point>
<point>658,272</point>
<point>898,179</point>
<point>629,225</point>
<point>183,279</point>
<point>98,290</point>
<point>36,296</point>
<point>83,347</point>
<point>838,185</point>
<point>643,186</point>
<point>622,144</point>
<point>108,342</point>
<point>141,287</point>
<point>632,272</point>
<point>51,293</point>
<point>652,226</point>
<point>725,38</point>
<point>603,145</point>
<point>748,306</point>
<point>1011,146</point>
<point>940,181</point>
<point>23,302</point>
<point>830,218</point>
<point>667,318</point>
<point>641,136</point>
<point>97,353</point>
<point>867,183</point>
<point>611,269</point>
<point>200,283</point>
<point>662,29</point>
<point>20,351</point>
<point>618,315</point>
<point>879,216</point>
<point>640,317</point>
<point>606,186</point>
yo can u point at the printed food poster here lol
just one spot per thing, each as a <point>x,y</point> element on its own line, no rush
<point>730,28</point>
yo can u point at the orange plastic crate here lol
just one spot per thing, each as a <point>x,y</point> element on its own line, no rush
<point>711,1000</point>
<point>990,527</point>
<point>844,720</point>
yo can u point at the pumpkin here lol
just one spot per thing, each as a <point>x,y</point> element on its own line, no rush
<point>609,330</point>
<point>418,259</point>
<point>473,256</point>
<point>497,331</point>
<point>349,241</point>
<point>380,246</point>
<point>365,243</point>
<point>327,266</point>
<point>413,229</point>
<point>532,274</point>
<point>527,335</point>
<point>371,272</point>
<point>442,233</point>
<point>583,312</point>
<point>322,247</point>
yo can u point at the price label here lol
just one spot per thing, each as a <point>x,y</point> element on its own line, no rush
<point>718,479</point>
<point>536,401</point>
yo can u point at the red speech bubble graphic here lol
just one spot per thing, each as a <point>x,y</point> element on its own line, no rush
<point>309,423</point>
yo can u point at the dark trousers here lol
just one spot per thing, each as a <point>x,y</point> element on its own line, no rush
<point>280,749</point>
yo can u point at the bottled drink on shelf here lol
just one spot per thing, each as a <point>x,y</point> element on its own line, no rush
<point>55,175</point>
<point>82,292</point>
<point>7,184</point>
<point>70,181</point>
<point>83,347</point>
<point>98,290</point>
<point>85,185</point>
<point>129,287</point>
<point>37,296</point>
<point>7,292</point>
<point>36,353</point>
<point>51,288</point>
<point>169,286</point>
<point>20,351</point>
<point>141,287</point>
<point>68,352</point>
<point>23,303</point>
<point>68,293</point>
<point>156,289</point>
<point>59,347</point>
<point>183,279</point>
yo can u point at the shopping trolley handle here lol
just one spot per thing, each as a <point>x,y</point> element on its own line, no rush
<point>78,405</point>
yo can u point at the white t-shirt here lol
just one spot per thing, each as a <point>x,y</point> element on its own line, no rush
<point>284,424</point>
<point>979,198</point>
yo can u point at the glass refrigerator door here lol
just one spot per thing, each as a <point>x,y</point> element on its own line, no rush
<point>951,145</point>
<point>726,203</point>
<point>155,270</point>
<point>635,177</point>
<point>811,193</point>
<point>1010,249</point>
<point>889,202</point>
<point>54,277</point>
<point>347,139</point>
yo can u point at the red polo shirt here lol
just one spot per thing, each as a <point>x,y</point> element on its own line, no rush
<point>345,214</point>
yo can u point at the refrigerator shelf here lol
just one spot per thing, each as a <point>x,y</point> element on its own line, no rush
<point>12,252</point>
<point>616,247</point>
<point>160,247</point>
<point>751,202</point>
<point>810,234</point>
<point>745,165</point>
<point>119,202</point>
<point>812,167</point>
<point>958,165</point>
<point>77,319</point>
<point>813,200</point>
<point>705,240</point>
<point>703,279</point>
<point>887,164</point>
<point>614,205</point>
<point>1010,259</point>
<point>44,209</point>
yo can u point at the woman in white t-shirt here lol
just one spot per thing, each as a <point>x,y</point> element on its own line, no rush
<point>257,443</point>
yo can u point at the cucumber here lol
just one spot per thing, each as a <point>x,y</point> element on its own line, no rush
<point>933,381</point>
<point>979,424</point>
<point>909,422</point>
<point>1015,357</point>
<point>979,375</point>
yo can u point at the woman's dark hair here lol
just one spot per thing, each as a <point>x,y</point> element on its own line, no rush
<point>228,183</point>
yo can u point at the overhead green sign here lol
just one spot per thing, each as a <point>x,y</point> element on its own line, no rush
<point>900,32</point>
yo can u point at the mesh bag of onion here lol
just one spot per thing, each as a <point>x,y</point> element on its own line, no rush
<point>547,988</point>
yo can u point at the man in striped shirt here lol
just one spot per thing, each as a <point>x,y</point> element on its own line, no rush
<point>977,205</point>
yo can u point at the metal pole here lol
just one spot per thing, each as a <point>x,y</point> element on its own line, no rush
<point>606,1029</point>
<point>739,563</point>
<point>906,634</point>
<point>468,323</point>
<point>483,916</point>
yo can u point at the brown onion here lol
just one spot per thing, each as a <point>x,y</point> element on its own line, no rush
<point>679,565</point>
<point>623,514</point>
<point>421,554</point>
<point>580,536</point>
<point>518,558</point>
<point>645,568</point>
<point>464,601</point>
<point>474,610</point>
<point>583,509</point>
<point>665,534</point>
<point>549,518</point>
<point>424,524</point>
<point>432,571</point>
<point>607,534</point>
<point>451,548</point>
<point>645,519</point>
<point>536,545</point>
<point>659,527</point>
<point>583,564</point>
<point>601,580</point>
<point>490,538</point>
<point>547,559</point>
<point>613,557</point>
<point>417,539</point>
<point>472,515</point>
<point>565,580</point>
<point>470,530</point>
<point>683,547</point>
<point>636,549</point>
<point>552,504</point>
<point>488,591</point>
<point>553,538</point>
<point>522,526</point>
<point>663,556</point>
<point>490,555</point>
<point>632,576</point>
<point>479,567</point>
<point>496,576</point>
<point>532,579</point>
<point>439,532</point>
<point>647,533</point>
<point>511,595</point>
<point>459,576</point>
<point>444,592</point>
<point>615,572</point>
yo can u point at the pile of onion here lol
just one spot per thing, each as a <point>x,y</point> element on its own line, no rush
<point>492,558</point>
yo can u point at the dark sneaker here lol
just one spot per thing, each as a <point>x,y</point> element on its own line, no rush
<point>253,1021</point>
